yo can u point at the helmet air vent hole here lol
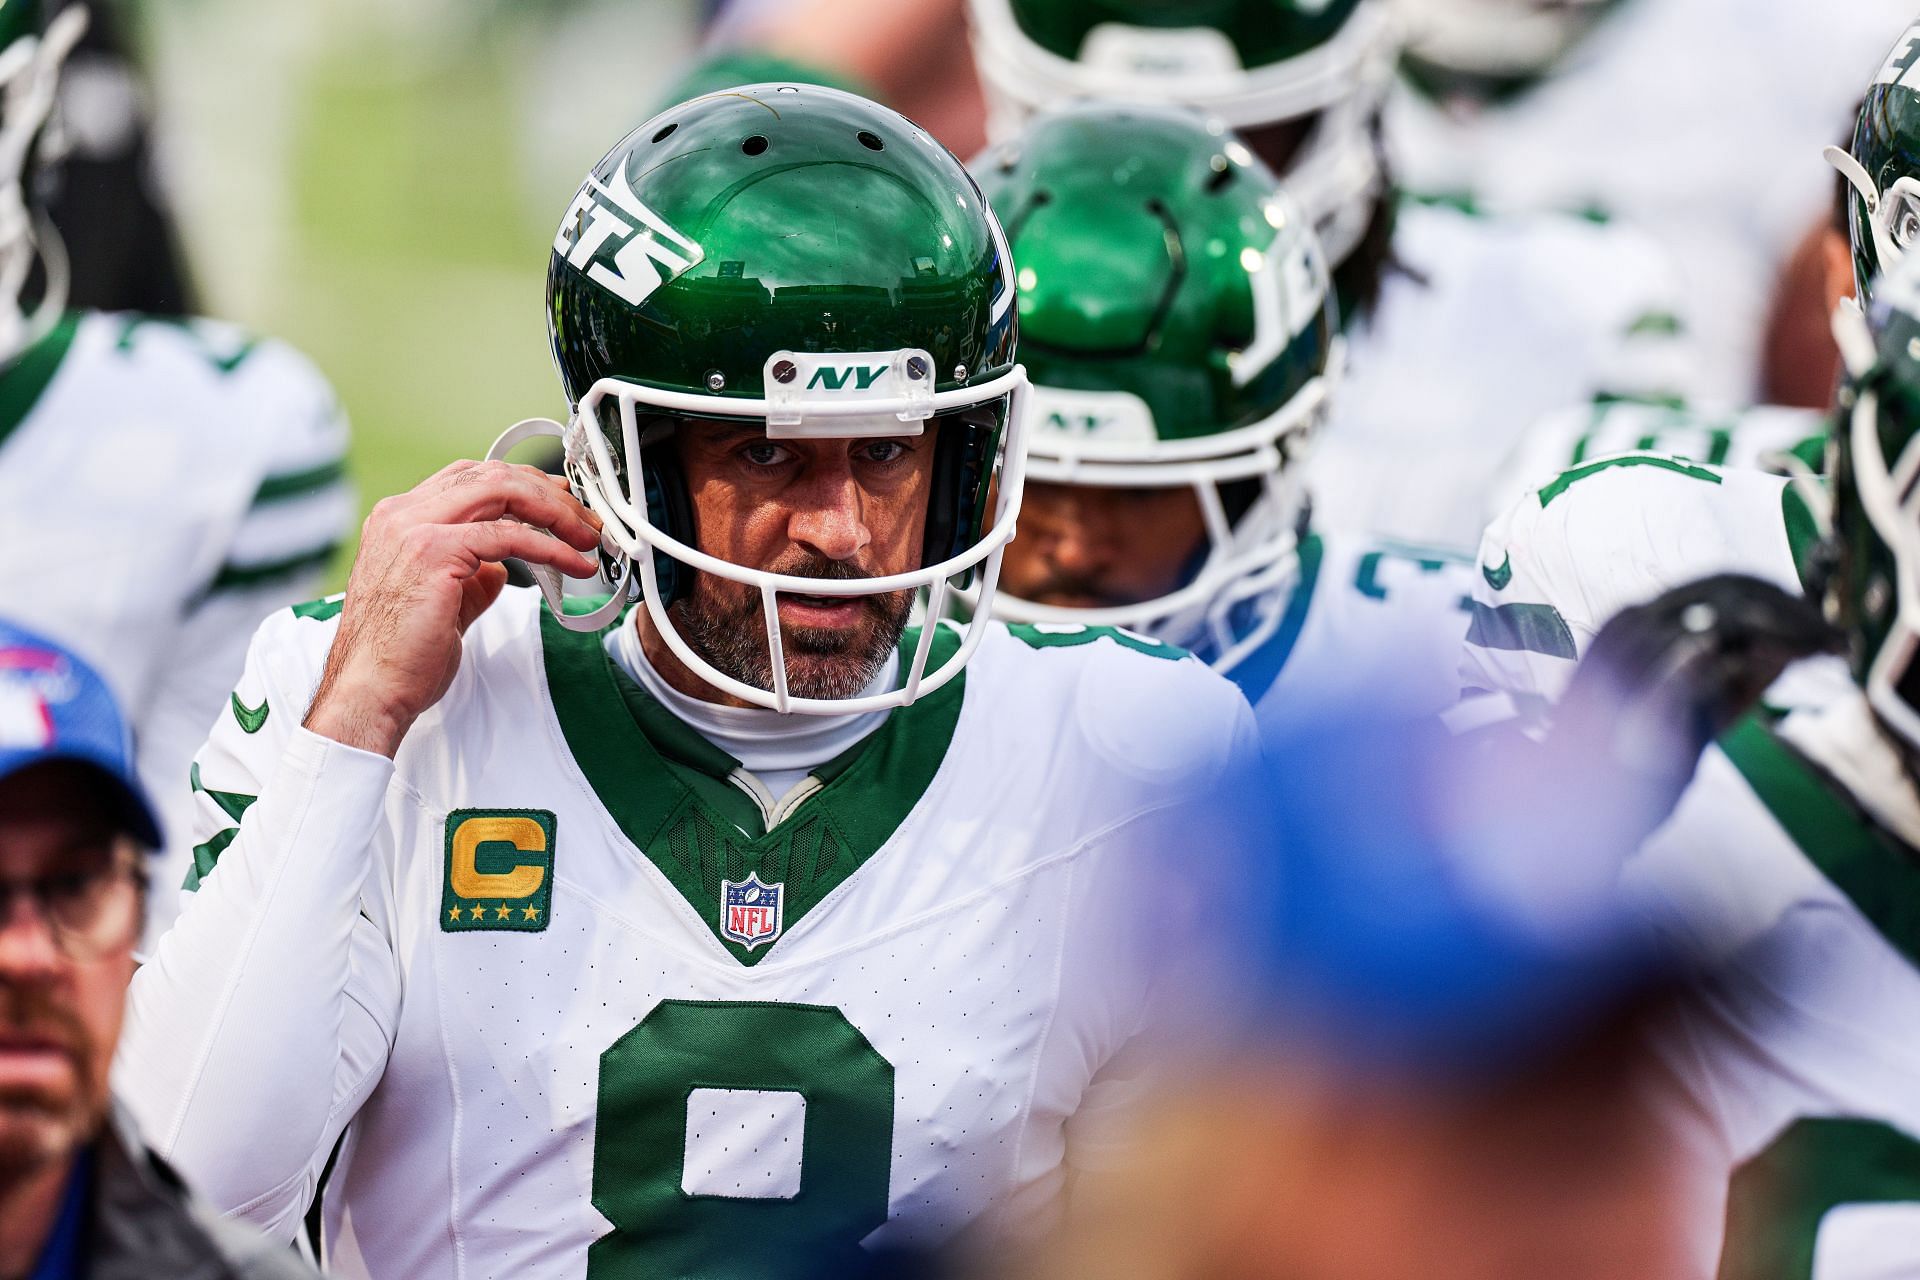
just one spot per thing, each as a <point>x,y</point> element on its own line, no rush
<point>754,145</point>
<point>870,141</point>
<point>662,135</point>
<point>1220,181</point>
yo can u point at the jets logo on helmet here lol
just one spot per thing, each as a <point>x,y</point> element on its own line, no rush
<point>621,244</point>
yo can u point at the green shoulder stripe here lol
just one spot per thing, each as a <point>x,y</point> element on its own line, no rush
<point>1522,628</point>
<point>1803,534</point>
<point>1879,875</point>
<point>691,841</point>
<point>300,484</point>
<point>321,610</point>
<point>23,382</point>
<point>1567,479</point>
<point>239,577</point>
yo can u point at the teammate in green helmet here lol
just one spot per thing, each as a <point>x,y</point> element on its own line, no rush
<point>1178,325</point>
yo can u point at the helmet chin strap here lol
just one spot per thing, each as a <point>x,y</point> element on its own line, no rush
<point>551,581</point>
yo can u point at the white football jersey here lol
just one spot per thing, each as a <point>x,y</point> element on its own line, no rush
<point>1755,437</point>
<point>1612,533</point>
<point>1491,324</point>
<point>1767,85</point>
<point>578,1012</point>
<point>1791,1101</point>
<point>1367,625</point>
<point>163,486</point>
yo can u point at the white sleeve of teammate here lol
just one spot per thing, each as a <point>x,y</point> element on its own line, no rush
<point>273,554</point>
<point>264,1018</point>
<point>1599,538</point>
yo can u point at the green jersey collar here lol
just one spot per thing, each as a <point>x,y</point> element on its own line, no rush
<point>1256,674</point>
<point>667,789</point>
<point>1878,873</point>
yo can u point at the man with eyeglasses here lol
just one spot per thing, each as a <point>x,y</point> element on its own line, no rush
<point>79,1194</point>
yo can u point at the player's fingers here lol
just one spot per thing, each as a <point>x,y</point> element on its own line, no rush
<point>491,490</point>
<point>491,541</point>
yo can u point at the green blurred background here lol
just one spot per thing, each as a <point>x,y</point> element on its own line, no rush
<point>378,183</point>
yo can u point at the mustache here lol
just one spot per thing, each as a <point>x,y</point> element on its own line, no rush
<point>30,1013</point>
<point>1058,583</point>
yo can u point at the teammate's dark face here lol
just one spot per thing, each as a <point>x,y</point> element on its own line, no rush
<point>1080,547</point>
<point>835,509</point>
<point>59,1016</point>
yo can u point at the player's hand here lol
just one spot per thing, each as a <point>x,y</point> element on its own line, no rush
<point>429,564</point>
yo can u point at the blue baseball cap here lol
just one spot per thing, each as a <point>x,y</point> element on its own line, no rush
<point>55,707</point>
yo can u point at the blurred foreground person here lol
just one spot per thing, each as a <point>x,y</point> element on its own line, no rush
<point>1464,328</point>
<point>1178,325</point>
<point>747,930</point>
<point>164,483</point>
<point>1442,1056</point>
<point>79,1195</point>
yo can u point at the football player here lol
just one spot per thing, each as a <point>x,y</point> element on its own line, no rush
<point>1178,325</point>
<point>164,484</point>
<point>1465,328</point>
<point>1572,104</point>
<point>758,925</point>
<point>1793,857</point>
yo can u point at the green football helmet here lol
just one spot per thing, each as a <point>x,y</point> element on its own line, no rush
<point>1874,592</point>
<point>1883,166</point>
<point>1252,63</point>
<point>31,55</point>
<point>1490,50</point>
<point>1177,325</point>
<point>802,259</point>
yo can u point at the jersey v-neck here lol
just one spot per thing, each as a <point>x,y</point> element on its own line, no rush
<point>24,381</point>
<point>1875,871</point>
<point>667,788</point>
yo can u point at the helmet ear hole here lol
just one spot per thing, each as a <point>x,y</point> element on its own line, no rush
<point>670,508</point>
<point>754,145</point>
<point>962,466</point>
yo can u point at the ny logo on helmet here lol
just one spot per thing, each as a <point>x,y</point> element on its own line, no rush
<point>863,376</point>
<point>619,243</point>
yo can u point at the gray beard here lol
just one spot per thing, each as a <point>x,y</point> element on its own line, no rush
<point>821,663</point>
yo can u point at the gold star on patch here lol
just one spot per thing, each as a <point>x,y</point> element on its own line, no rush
<point>530,913</point>
<point>502,911</point>
<point>453,913</point>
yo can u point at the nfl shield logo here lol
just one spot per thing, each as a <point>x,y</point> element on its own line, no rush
<point>750,912</point>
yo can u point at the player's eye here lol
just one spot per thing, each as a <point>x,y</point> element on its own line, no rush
<point>884,451</point>
<point>762,453</point>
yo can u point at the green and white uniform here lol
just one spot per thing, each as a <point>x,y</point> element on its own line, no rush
<point>1792,859</point>
<point>1756,437</point>
<point>1616,532</point>
<point>578,1012</point>
<point>1367,625</point>
<point>163,486</point>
